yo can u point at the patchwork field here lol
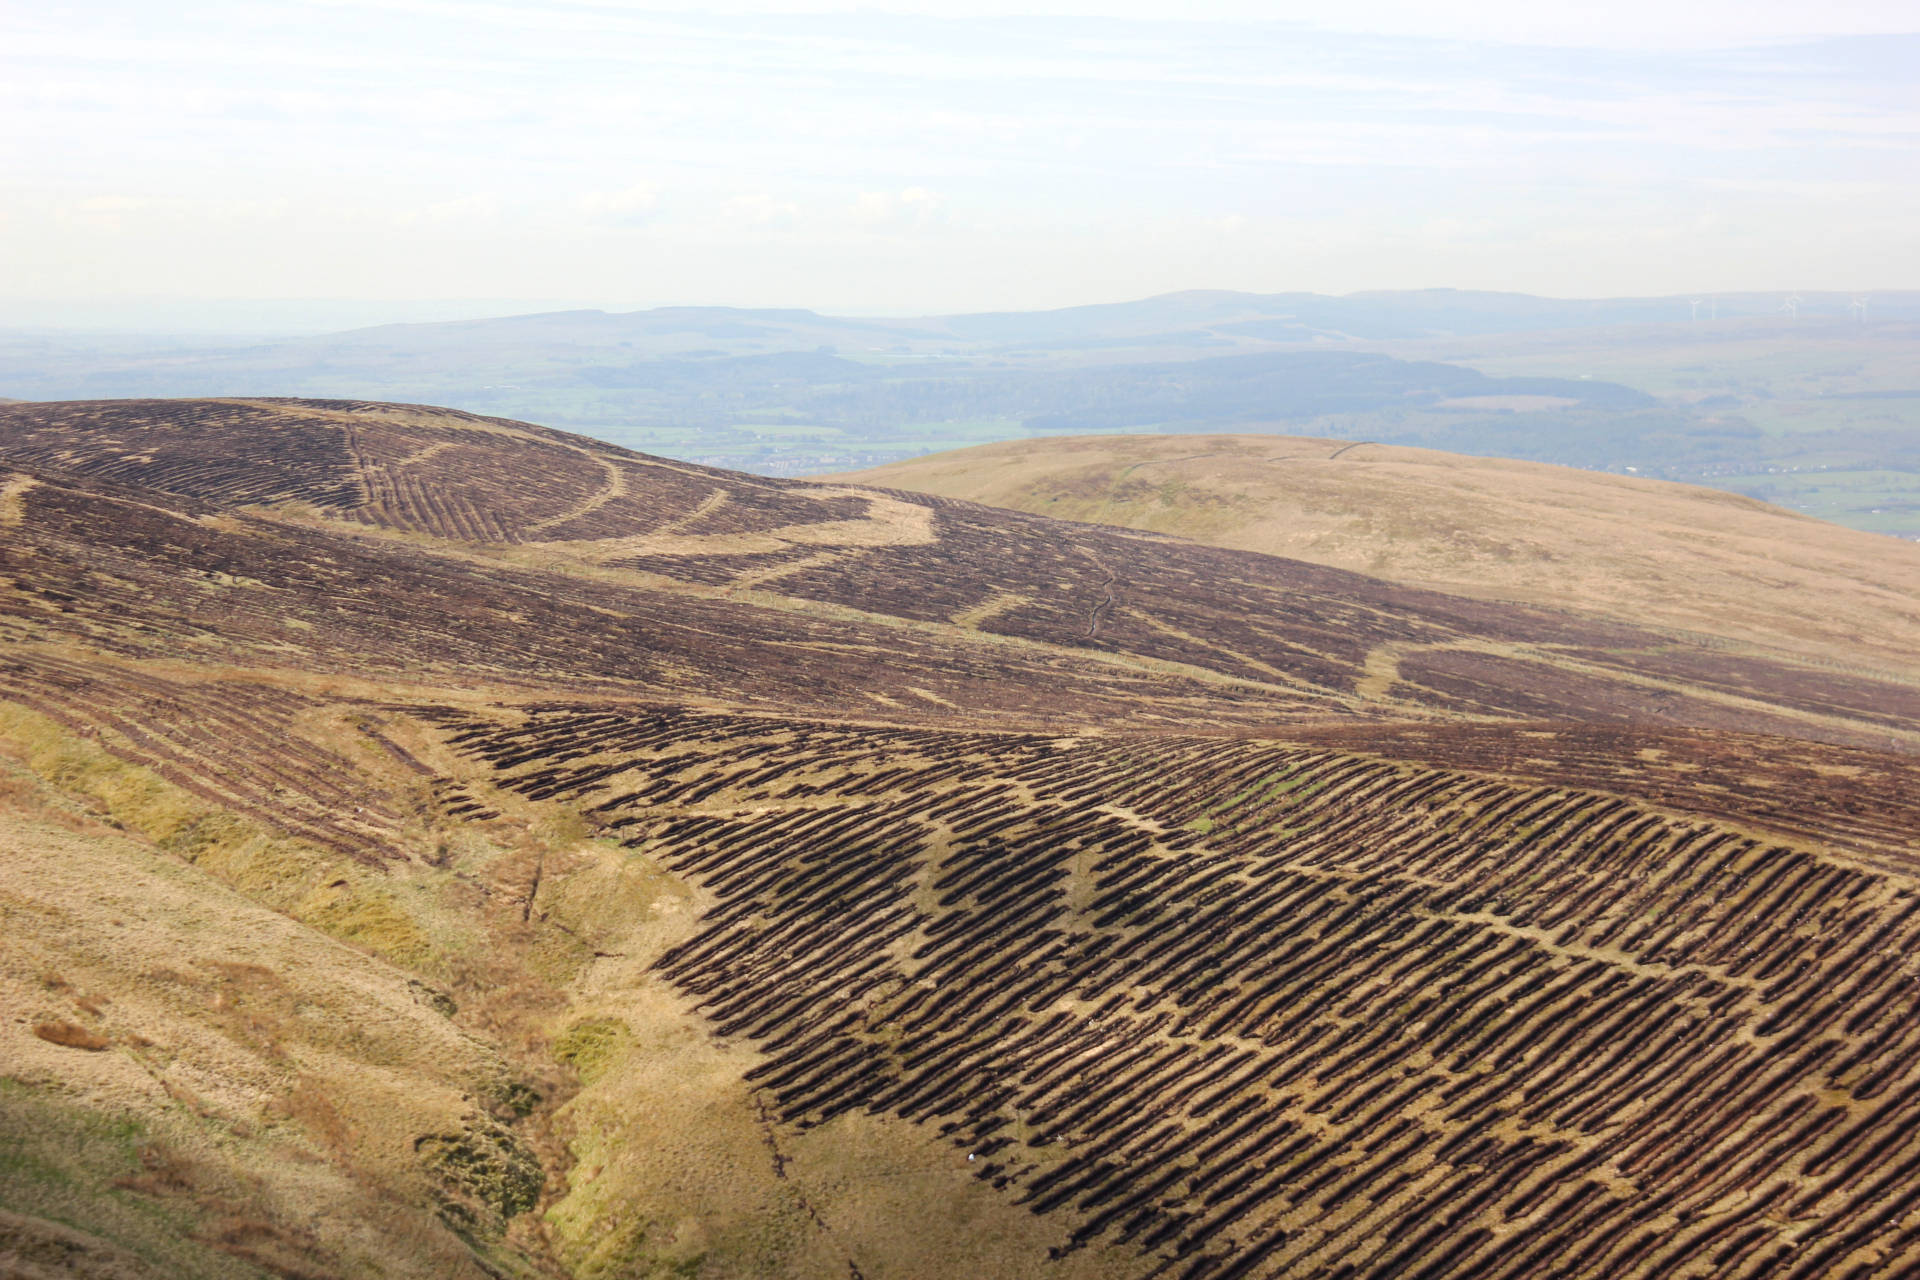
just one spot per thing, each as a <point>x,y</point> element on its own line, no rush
<point>747,877</point>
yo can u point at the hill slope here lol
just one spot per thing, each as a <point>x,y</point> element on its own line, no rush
<point>761,878</point>
<point>1642,550</point>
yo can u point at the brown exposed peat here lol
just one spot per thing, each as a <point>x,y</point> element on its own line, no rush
<point>1268,1009</point>
<point>1225,915</point>
<point>647,575</point>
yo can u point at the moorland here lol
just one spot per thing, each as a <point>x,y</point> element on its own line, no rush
<point>443,845</point>
<point>1701,560</point>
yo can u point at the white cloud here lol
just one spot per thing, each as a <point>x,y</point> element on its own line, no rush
<point>874,208</point>
<point>448,146</point>
<point>1642,21</point>
<point>871,208</point>
<point>468,209</point>
<point>117,204</point>
<point>757,209</point>
<point>628,207</point>
<point>123,212</point>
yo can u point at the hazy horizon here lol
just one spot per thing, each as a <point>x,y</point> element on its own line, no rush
<point>921,158</point>
<point>267,318</point>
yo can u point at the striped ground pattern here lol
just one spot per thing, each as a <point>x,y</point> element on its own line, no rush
<point>1269,1010</point>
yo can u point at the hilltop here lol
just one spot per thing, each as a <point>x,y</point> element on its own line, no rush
<point>1623,547</point>
<point>446,845</point>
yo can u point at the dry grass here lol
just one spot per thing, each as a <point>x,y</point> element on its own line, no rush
<point>323,889</point>
<point>266,1080</point>
<point>308,1105</point>
<point>1638,550</point>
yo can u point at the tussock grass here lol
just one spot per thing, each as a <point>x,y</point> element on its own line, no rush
<point>68,1166</point>
<point>316,887</point>
<point>592,1046</point>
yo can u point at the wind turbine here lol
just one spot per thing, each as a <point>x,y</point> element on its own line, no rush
<point>1695,304</point>
<point>1859,306</point>
<point>1791,306</point>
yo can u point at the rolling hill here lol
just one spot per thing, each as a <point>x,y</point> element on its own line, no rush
<point>443,845</point>
<point>1635,549</point>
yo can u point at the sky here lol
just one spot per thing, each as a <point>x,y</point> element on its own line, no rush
<point>926,156</point>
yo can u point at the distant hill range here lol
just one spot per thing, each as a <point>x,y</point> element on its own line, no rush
<point>1735,390</point>
<point>434,844</point>
<point>1387,314</point>
<point>1810,402</point>
<point>1192,318</point>
<point>788,348</point>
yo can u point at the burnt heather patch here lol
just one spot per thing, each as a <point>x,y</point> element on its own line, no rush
<point>1262,1009</point>
<point>1142,907</point>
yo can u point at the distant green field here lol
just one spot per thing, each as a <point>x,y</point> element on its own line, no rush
<point>1683,362</point>
<point>1819,415</point>
<point>1876,501</point>
<point>1803,417</point>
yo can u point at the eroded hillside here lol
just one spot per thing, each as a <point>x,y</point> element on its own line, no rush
<point>741,877</point>
<point>1618,546</point>
<point>346,536</point>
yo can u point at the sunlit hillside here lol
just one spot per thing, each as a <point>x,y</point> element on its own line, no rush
<point>1628,548</point>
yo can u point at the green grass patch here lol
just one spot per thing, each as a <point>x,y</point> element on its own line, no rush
<point>592,1046</point>
<point>80,1169</point>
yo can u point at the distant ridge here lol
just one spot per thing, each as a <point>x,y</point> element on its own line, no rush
<point>1168,319</point>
